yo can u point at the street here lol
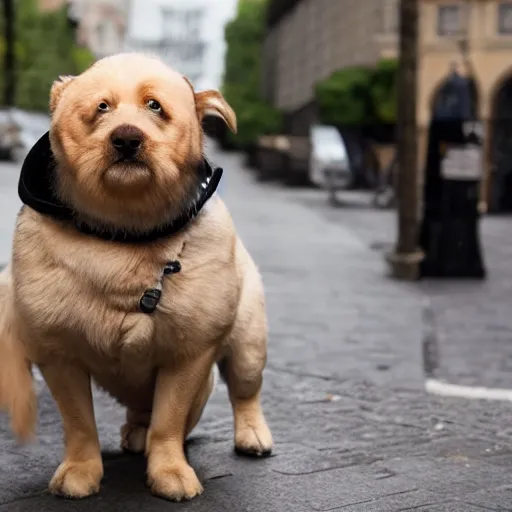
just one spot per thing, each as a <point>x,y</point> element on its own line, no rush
<point>344,390</point>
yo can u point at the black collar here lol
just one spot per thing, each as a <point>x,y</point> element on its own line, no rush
<point>36,189</point>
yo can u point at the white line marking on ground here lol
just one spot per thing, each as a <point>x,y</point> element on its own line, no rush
<point>440,388</point>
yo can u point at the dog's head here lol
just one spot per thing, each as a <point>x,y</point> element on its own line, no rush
<point>128,140</point>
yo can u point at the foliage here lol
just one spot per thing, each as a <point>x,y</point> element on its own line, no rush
<point>45,48</point>
<point>383,90</point>
<point>252,7</point>
<point>242,76</point>
<point>358,96</point>
<point>344,97</point>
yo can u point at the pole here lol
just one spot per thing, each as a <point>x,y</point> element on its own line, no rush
<point>9,61</point>
<point>405,259</point>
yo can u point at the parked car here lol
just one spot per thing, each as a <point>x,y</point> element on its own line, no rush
<point>31,126</point>
<point>329,166</point>
<point>9,135</point>
<point>19,131</point>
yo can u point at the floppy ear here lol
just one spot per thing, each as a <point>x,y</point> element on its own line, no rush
<point>57,90</point>
<point>212,103</point>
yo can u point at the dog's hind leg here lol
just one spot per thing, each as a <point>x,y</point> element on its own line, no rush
<point>242,370</point>
<point>135,430</point>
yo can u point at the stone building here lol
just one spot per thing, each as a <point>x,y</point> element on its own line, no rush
<point>307,40</point>
<point>188,35</point>
<point>478,35</point>
<point>175,31</point>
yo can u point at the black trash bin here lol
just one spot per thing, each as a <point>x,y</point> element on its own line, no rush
<point>449,234</point>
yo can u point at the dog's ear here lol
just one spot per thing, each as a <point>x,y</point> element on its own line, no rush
<point>57,89</point>
<point>212,103</point>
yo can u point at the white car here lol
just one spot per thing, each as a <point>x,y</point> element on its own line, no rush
<point>31,126</point>
<point>19,131</point>
<point>329,166</point>
<point>9,135</point>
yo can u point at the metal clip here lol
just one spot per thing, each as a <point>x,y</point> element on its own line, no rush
<point>151,297</point>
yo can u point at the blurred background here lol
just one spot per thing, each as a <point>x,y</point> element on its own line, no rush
<point>371,179</point>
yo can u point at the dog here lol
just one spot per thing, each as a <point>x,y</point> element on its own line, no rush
<point>127,271</point>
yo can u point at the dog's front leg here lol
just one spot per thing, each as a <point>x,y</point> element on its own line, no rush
<point>80,473</point>
<point>176,394</point>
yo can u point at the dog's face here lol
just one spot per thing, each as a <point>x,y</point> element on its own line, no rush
<point>127,138</point>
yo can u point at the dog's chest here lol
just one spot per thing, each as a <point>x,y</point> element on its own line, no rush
<point>94,304</point>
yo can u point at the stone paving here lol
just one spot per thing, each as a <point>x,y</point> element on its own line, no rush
<point>344,387</point>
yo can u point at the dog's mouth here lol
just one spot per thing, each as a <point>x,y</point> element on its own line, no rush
<point>127,172</point>
<point>129,162</point>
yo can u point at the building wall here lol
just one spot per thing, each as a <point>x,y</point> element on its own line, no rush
<point>102,25</point>
<point>489,54</point>
<point>319,37</point>
<point>488,59</point>
<point>147,32</point>
<point>179,43</point>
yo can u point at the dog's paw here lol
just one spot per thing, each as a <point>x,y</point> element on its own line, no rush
<point>77,479</point>
<point>253,440</point>
<point>174,482</point>
<point>133,438</point>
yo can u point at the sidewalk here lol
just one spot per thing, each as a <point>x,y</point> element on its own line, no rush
<point>343,393</point>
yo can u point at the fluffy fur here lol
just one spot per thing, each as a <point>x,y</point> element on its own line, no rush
<point>69,301</point>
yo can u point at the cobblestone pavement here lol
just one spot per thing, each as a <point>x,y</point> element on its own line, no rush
<point>344,388</point>
<point>472,320</point>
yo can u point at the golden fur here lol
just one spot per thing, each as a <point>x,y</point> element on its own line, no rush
<point>69,301</point>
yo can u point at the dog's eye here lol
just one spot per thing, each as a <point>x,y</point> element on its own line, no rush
<point>154,106</point>
<point>103,107</point>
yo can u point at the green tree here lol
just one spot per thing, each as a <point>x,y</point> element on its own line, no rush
<point>242,77</point>
<point>383,91</point>
<point>9,55</point>
<point>45,48</point>
<point>344,97</point>
<point>358,96</point>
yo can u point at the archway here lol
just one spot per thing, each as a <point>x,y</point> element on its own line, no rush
<point>501,148</point>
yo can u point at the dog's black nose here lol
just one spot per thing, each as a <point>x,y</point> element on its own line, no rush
<point>127,140</point>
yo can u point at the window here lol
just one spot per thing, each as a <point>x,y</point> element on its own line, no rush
<point>101,35</point>
<point>505,18</point>
<point>193,23</point>
<point>450,22</point>
<point>182,24</point>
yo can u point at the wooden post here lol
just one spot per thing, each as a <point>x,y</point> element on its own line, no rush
<point>9,58</point>
<point>405,259</point>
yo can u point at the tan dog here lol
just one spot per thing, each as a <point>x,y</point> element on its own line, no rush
<point>127,139</point>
